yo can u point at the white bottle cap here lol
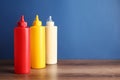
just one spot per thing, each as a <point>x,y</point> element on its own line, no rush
<point>50,22</point>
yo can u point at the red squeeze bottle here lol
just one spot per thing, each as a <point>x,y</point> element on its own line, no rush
<point>22,48</point>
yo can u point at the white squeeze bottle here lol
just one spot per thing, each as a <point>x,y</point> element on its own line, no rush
<point>51,42</point>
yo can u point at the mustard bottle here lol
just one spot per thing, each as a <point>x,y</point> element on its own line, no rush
<point>37,44</point>
<point>51,42</point>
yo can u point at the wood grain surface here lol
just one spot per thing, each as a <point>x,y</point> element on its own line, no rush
<point>66,70</point>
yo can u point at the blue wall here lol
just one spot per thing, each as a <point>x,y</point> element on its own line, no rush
<point>88,29</point>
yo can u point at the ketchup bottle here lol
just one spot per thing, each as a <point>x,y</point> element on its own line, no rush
<point>22,48</point>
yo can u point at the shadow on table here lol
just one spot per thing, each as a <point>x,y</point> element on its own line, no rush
<point>6,66</point>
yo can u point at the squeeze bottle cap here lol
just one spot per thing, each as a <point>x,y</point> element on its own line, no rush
<point>22,22</point>
<point>50,22</point>
<point>37,22</point>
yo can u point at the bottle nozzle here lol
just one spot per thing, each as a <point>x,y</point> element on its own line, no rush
<point>50,18</point>
<point>37,18</point>
<point>37,22</point>
<point>22,22</point>
<point>22,18</point>
<point>50,22</point>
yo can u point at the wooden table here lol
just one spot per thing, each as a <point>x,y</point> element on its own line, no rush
<point>66,70</point>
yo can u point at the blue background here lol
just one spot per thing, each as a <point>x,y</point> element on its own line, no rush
<point>88,29</point>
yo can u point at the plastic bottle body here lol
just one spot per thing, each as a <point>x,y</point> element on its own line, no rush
<point>37,47</point>
<point>21,50</point>
<point>51,44</point>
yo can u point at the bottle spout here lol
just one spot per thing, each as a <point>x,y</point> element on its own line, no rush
<point>50,22</point>
<point>22,22</point>
<point>37,18</point>
<point>22,18</point>
<point>50,18</point>
<point>37,22</point>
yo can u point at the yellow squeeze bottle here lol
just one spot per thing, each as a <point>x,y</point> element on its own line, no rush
<point>37,44</point>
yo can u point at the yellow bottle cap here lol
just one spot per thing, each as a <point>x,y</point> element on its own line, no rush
<point>37,22</point>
